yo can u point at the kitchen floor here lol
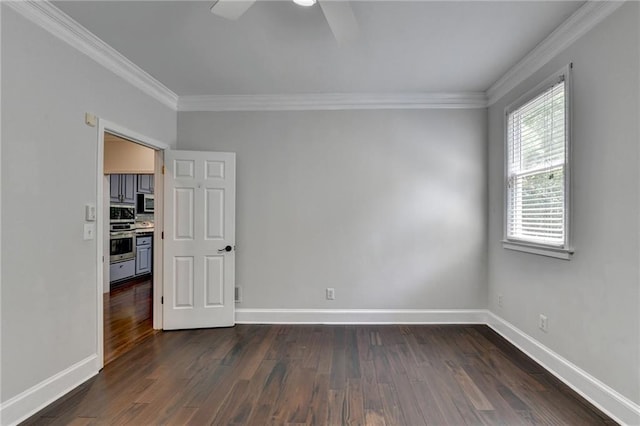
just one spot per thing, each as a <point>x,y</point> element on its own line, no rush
<point>128,316</point>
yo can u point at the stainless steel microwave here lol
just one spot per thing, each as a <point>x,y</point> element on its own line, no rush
<point>122,213</point>
<point>145,203</point>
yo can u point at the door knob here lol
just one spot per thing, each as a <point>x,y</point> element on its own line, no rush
<point>227,249</point>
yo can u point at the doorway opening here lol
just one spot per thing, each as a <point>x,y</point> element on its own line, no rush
<point>129,240</point>
<point>128,298</point>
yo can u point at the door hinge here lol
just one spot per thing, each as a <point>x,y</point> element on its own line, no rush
<point>162,235</point>
<point>163,169</point>
<point>162,300</point>
<point>102,259</point>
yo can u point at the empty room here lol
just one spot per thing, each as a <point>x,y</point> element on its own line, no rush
<point>320,212</point>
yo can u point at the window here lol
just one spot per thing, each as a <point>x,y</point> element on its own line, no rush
<point>537,170</point>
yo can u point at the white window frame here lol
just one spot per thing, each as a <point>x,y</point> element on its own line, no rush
<point>564,251</point>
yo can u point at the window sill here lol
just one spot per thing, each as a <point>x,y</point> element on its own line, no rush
<point>558,253</point>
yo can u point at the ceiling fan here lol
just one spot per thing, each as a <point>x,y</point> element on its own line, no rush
<point>338,13</point>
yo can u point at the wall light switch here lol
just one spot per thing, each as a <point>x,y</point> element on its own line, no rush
<point>89,231</point>
<point>90,212</point>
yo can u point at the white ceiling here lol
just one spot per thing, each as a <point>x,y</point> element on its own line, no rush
<point>277,47</point>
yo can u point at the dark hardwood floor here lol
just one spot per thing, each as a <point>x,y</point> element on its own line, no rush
<point>323,375</point>
<point>128,316</point>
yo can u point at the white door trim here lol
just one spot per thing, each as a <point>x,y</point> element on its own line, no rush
<point>116,129</point>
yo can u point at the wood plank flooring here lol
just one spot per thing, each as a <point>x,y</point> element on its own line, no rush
<point>323,375</point>
<point>128,311</point>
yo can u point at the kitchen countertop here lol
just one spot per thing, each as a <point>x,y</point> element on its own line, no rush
<point>144,227</point>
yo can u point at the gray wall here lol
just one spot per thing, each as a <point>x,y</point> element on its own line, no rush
<point>387,207</point>
<point>48,174</point>
<point>592,301</point>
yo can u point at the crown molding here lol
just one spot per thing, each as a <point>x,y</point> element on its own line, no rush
<point>585,18</point>
<point>52,19</point>
<point>49,17</point>
<point>332,101</point>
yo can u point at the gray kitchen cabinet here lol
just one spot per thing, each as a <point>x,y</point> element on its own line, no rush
<point>144,258</point>
<point>114,184</point>
<point>145,184</point>
<point>129,189</point>
<point>122,188</point>
<point>122,270</point>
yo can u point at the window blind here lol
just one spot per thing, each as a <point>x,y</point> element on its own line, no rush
<point>536,165</point>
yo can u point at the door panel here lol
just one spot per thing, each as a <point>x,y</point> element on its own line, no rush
<point>183,267</point>
<point>184,213</point>
<point>199,223</point>
<point>214,278</point>
<point>214,214</point>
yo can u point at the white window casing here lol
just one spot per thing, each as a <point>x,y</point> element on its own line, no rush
<point>537,201</point>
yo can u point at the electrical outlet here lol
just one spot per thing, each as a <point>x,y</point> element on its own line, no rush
<point>543,323</point>
<point>331,293</point>
<point>500,300</point>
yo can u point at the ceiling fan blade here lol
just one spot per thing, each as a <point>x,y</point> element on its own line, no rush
<point>231,9</point>
<point>341,19</point>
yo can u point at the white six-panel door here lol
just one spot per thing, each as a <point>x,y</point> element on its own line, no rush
<point>199,239</point>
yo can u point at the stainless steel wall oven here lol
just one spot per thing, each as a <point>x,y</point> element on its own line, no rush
<point>122,245</point>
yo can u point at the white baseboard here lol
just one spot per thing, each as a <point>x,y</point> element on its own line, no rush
<point>616,406</point>
<point>29,402</point>
<point>361,316</point>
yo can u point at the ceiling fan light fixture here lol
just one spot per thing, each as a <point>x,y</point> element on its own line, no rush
<point>305,2</point>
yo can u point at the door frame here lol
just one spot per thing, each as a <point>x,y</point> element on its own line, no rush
<point>158,252</point>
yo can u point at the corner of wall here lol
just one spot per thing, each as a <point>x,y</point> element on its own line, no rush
<point>487,211</point>
<point>612,403</point>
